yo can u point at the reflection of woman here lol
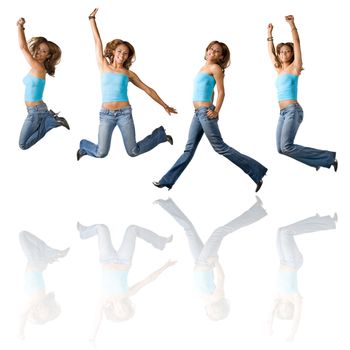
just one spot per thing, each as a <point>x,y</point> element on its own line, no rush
<point>114,63</point>
<point>206,119</point>
<point>115,302</point>
<point>42,56</point>
<point>41,306</point>
<point>288,303</point>
<point>287,61</point>
<point>208,274</point>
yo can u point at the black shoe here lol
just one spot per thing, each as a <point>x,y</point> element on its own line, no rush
<point>318,168</point>
<point>258,185</point>
<point>157,184</point>
<point>169,139</point>
<point>79,154</point>
<point>60,120</point>
<point>335,165</point>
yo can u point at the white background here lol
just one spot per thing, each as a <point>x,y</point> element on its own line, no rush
<point>44,190</point>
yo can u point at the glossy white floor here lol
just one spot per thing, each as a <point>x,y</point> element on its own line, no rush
<point>283,254</point>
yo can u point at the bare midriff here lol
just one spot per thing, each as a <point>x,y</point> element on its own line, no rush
<point>197,104</point>
<point>286,103</point>
<point>32,104</point>
<point>115,105</point>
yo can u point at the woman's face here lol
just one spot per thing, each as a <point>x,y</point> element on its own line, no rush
<point>121,54</point>
<point>214,53</point>
<point>286,54</point>
<point>42,53</point>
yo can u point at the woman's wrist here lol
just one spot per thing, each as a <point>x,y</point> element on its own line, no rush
<point>20,26</point>
<point>91,17</point>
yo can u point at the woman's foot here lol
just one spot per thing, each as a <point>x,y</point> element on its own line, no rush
<point>335,165</point>
<point>258,185</point>
<point>60,120</point>
<point>169,139</point>
<point>157,184</point>
<point>79,154</point>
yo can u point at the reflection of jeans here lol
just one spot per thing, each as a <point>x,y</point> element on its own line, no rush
<point>38,122</point>
<point>38,253</point>
<point>288,125</point>
<point>122,118</point>
<point>201,252</point>
<point>287,249</point>
<point>200,125</point>
<point>126,250</point>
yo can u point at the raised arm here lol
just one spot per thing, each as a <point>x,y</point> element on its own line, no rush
<point>35,65</point>
<point>98,42</point>
<point>149,91</point>
<point>298,64</point>
<point>270,45</point>
<point>153,276</point>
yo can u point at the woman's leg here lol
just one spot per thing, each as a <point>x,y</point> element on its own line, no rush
<point>194,136</point>
<point>38,122</point>
<point>105,131</point>
<point>249,165</point>
<point>293,116</point>
<point>127,129</point>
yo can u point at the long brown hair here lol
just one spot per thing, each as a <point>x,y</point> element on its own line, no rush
<point>225,61</point>
<point>112,45</point>
<point>54,51</point>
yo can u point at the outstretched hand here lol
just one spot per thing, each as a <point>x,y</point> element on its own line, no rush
<point>170,110</point>
<point>270,27</point>
<point>21,22</point>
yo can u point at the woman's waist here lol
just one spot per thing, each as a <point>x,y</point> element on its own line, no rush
<point>199,104</point>
<point>285,103</point>
<point>34,103</point>
<point>115,105</point>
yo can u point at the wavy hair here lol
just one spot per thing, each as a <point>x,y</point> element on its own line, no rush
<point>54,51</point>
<point>112,45</point>
<point>225,61</point>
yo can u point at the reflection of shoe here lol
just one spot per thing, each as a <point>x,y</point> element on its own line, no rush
<point>79,154</point>
<point>169,139</point>
<point>60,120</point>
<point>157,184</point>
<point>335,165</point>
<point>259,201</point>
<point>258,185</point>
<point>335,217</point>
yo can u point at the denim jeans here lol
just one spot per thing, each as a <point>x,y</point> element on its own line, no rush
<point>38,122</point>
<point>200,125</point>
<point>288,125</point>
<point>122,117</point>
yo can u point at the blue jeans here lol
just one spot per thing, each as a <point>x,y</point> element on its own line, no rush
<point>200,125</point>
<point>38,122</point>
<point>288,125</point>
<point>122,117</point>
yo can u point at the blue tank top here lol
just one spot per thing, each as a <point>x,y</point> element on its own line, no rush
<point>203,87</point>
<point>114,87</point>
<point>34,88</point>
<point>287,87</point>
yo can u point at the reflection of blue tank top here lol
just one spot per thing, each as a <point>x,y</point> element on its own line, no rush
<point>34,88</point>
<point>203,87</point>
<point>204,281</point>
<point>114,282</point>
<point>34,282</point>
<point>287,86</point>
<point>114,87</point>
<point>287,282</point>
